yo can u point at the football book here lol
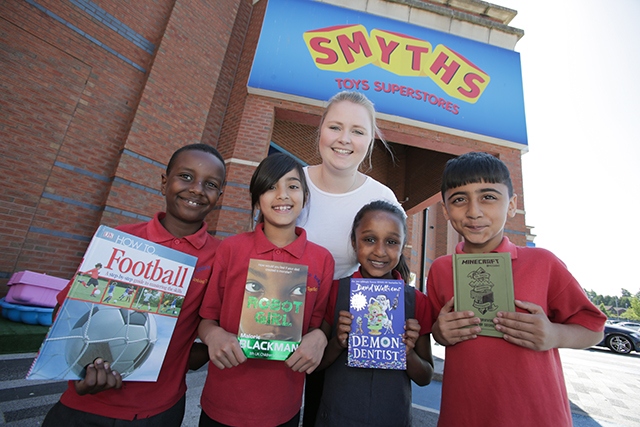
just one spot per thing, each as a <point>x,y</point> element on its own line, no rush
<point>122,306</point>
<point>375,341</point>
<point>272,310</point>
<point>483,283</point>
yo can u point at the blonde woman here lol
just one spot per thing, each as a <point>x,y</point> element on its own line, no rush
<point>338,190</point>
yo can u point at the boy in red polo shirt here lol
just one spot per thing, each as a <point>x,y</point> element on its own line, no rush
<point>516,380</point>
<point>191,185</point>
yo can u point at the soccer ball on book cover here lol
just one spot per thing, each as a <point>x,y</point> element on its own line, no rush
<point>124,338</point>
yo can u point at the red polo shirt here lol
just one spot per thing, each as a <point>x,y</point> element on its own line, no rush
<point>259,392</point>
<point>145,399</point>
<point>503,384</point>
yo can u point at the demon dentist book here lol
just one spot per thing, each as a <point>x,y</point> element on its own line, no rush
<point>375,341</point>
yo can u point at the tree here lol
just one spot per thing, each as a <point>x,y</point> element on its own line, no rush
<point>633,313</point>
<point>624,302</point>
<point>597,300</point>
<point>615,302</point>
<point>604,310</point>
<point>590,294</point>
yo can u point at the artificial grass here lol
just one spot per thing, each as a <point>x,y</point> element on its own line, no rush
<point>17,337</point>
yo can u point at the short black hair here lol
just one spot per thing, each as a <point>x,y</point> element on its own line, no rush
<point>269,172</point>
<point>200,147</point>
<point>475,167</point>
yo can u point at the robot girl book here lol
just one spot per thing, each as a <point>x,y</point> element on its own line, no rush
<point>375,341</point>
<point>272,309</point>
<point>483,283</point>
<point>123,305</point>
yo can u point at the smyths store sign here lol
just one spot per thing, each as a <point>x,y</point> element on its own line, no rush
<point>314,50</point>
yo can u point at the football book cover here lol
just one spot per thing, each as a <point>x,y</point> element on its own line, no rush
<point>122,306</point>
<point>375,341</point>
<point>272,311</point>
<point>483,283</point>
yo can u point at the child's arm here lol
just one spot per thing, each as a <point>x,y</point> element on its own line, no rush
<point>309,353</point>
<point>535,331</point>
<point>99,377</point>
<point>340,342</point>
<point>198,356</point>
<point>419,358</point>
<point>224,349</point>
<point>451,327</point>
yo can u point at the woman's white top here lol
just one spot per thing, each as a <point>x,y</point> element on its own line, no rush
<point>328,219</point>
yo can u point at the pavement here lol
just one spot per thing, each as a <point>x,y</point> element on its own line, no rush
<point>25,403</point>
<point>596,401</point>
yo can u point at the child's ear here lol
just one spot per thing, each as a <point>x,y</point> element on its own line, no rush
<point>444,211</point>
<point>163,183</point>
<point>256,213</point>
<point>513,206</point>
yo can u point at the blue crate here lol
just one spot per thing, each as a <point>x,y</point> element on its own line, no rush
<point>27,314</point>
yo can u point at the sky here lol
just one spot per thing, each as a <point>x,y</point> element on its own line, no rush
<point>580,61</point>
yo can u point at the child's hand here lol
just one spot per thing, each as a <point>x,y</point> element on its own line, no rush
<point>344,328</point>
<point>224,348</point>
<point>309,353</point>
<point>99,377</point>
<point>451,327</point>
<point>411,334</point>
<point>531,330</point>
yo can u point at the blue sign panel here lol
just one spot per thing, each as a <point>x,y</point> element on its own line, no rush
<point>314,50</point>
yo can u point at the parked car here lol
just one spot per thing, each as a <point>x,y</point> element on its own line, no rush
<point>620,340</point>
<point>631,325</point>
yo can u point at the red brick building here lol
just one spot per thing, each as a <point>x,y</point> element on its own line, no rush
<point>96,95</point>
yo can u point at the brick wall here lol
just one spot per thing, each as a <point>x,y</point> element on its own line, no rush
<point>72,84</point>
<point>96,95</point>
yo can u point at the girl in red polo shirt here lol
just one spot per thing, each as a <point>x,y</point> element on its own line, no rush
<point>241,391</point>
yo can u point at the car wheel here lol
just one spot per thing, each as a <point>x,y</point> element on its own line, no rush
<point>619,344</point>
